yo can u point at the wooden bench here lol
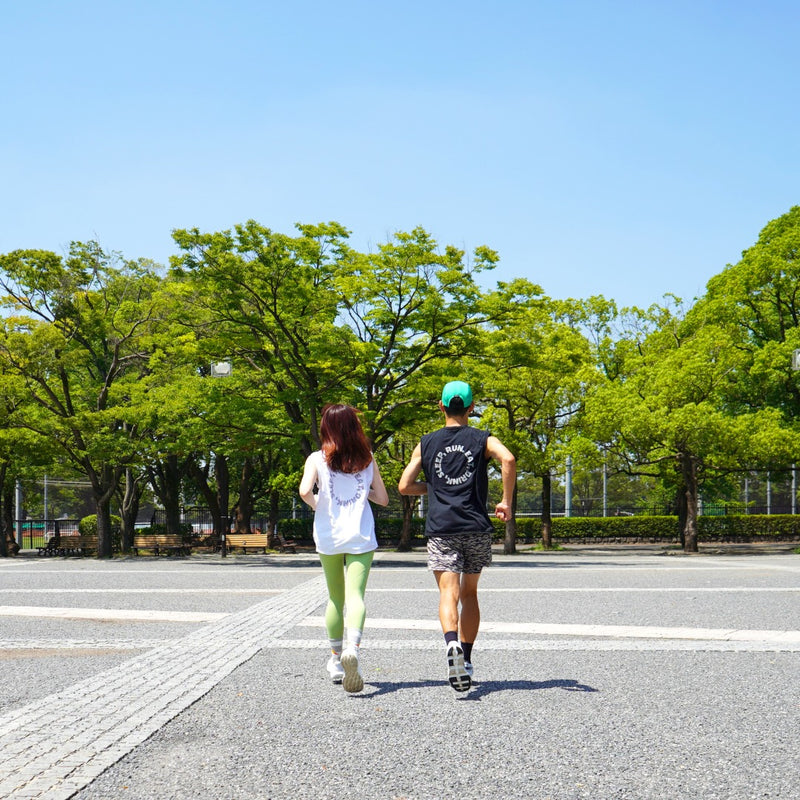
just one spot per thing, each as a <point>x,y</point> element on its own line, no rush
<point>247,541</point>
<point>69,545</point>
<point>257,541</point>
<point>161,543</point>
<point>284,546</point>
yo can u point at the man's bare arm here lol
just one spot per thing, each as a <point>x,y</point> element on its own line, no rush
<point>408,480</point>
<point>508,469</point>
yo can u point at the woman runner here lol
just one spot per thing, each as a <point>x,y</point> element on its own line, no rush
<point>346,477</point>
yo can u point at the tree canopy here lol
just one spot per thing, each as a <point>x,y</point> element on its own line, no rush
<point>105,367</point>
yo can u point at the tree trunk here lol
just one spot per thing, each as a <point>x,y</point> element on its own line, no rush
<point>12,544</point>
<point>103,510</point>
<point>689,472</point>
<point>547,519</point>
<point>105,481</point>
<point>165,478</point>
<point>129,508</point>
<point>209,493</point>
<point>510,540</point>
<point>680,502</point>
<point>7,543</point>
<point>408,502</point>
<point>244,507</point>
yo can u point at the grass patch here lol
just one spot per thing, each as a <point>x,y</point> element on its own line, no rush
<point>541,548</point>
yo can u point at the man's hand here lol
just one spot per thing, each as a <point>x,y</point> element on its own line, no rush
<point>503,511</point>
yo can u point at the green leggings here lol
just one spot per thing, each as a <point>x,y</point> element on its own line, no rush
<point>346,576</point>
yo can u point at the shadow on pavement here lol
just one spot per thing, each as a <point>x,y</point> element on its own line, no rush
<point>489,687</point>
<point>478,689</point>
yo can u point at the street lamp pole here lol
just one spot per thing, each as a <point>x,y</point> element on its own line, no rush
<point>568,490</point>
<point>223,369</point>
<point>18,503</point>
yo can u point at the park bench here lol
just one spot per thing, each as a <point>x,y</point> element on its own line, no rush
<point>257,541</point>
<point>161,543</point>
<point>247,541</point>
<point>69,545</point>
<point>284,546</point>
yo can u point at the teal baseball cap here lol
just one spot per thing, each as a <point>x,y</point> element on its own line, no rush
<point>457,389</point>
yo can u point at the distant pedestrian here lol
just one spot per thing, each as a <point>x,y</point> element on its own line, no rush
<point>346,477</point>
<point>454,460</point>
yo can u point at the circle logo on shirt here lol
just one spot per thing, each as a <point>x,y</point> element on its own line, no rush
<point>346,489</point>
<point>454,465</point>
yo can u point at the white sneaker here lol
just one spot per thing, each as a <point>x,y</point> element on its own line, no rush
<point>352,681</point>
<point>456,671</point>
<point>335,668</point>
<point>468,668</point>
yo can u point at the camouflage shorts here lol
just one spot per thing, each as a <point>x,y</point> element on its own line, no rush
<point>463,553</point>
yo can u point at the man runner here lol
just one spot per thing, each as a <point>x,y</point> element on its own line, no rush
<point>454,460</point>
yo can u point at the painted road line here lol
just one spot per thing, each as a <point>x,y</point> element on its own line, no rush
<point>613,631</point>
<point>431,590</point>
<point>579,645</point>
<point>599,590</point>
<point>125,615</point>
<point>10,645</point>
<point>203,591</point>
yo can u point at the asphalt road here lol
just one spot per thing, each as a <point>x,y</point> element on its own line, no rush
<point>598,674</point>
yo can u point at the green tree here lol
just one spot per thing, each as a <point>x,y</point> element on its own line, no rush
<point>665,414</point>
<point>312,321</point>
<point>415,312</point>
<point>758,301</point>
<point>268,301</point>
<point>537,365</point>
<point>77,339</point>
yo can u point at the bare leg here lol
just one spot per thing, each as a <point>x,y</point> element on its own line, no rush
<point>470,609</point>
<point>449,584</point>
<point>449,597</point>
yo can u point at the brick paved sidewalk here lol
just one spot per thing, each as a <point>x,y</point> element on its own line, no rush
<point>53,751</point>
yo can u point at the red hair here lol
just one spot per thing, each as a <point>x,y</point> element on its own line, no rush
<point>344,443</point>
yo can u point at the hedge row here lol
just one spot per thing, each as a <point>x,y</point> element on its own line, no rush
<point>581,529</point>
<point>750,527</point>
<point>588,530</point>
<point>731,528</point>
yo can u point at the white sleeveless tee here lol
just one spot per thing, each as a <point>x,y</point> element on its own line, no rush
<point>343,521</point>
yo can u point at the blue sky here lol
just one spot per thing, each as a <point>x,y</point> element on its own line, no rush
<point>629,149</point>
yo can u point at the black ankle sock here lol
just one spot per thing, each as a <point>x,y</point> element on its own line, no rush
<point>450,637</point>
<point>467,648</point>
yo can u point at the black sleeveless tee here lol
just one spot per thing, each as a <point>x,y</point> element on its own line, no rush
<point>455,466</point>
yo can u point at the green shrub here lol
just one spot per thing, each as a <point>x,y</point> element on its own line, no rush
<point>580,529</point>
<point>297,529</point>
<point>184,529</point>
<point>732,528</point>
<point>391,528</point>
<point>88,527</point>
<point>638,528</point>
<point>749,527</point>
<point>649,529</point>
